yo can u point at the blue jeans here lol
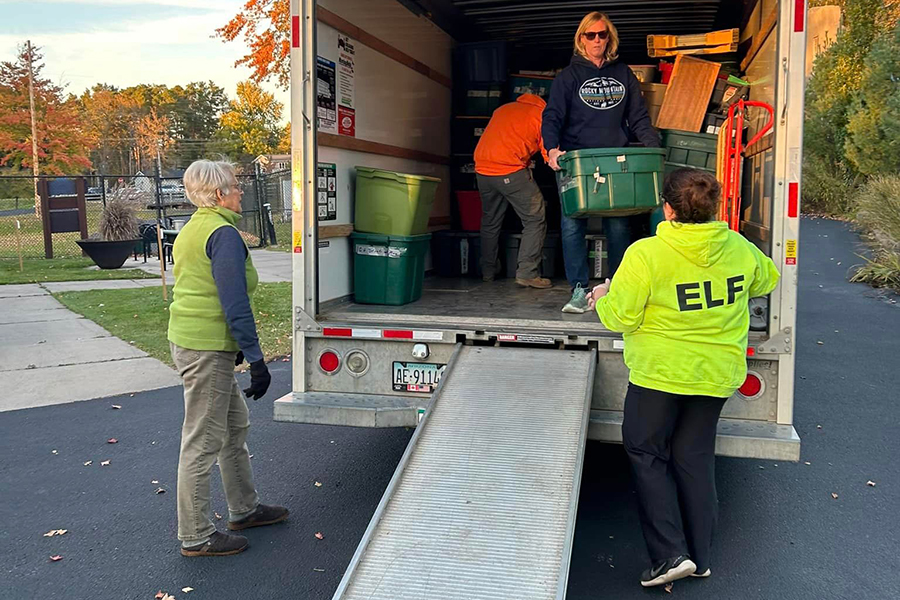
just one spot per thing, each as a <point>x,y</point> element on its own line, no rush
<point>619,235</point>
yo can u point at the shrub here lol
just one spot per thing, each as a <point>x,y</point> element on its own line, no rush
<point>879,214</point>
<point>828,188</point>
<point>119,220</point>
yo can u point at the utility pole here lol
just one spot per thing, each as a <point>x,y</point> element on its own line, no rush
<point>35,167</point>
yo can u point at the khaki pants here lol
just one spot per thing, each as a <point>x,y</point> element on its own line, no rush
<point>216,422</point>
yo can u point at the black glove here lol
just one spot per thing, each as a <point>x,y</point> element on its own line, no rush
<point>239,359</point>
<point>259,380</point>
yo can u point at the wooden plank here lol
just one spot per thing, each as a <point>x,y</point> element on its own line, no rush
<point>707,50</point>
<point>363,37</point>
<point>760,38</point>
<point>357,145</point>
<point>688,94</point>
<point>664,45</point>
<point>334,231</point>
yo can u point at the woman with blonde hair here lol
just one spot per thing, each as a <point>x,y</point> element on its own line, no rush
<point>595,102</point>
<point>211,330</point>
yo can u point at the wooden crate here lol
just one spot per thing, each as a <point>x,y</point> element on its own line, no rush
<point>688,94</point>
<point>715,42</point>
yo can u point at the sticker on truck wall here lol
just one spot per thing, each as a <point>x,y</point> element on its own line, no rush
<point>790,252</point>
<point>326,191</point>
<point>298,242</point>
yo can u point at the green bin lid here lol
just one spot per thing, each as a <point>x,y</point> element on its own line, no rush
<point>598,152</point>
<point>401,177</point>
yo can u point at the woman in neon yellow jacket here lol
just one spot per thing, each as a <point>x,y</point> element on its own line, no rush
<point>680,301</point>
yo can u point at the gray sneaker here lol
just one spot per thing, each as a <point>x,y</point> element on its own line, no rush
<point>578,304</point>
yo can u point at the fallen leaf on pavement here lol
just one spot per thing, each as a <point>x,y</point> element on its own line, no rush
<point>154,481</point>
<point>833,495</point>
<point>116,406</point>
<point>56,558</point>
<point>318,484</point>
<point>88,463</point>
<point>820,342</point>
<point>870,483</point>
<point>807,463</point>
<point>159,595</point>
<point>319,535</point>
<point>318,570</point>
<point>112,441</point>
<point>160,490</point>
<point>104,463</point>
<point>187,590</point>
<point>669,587</point>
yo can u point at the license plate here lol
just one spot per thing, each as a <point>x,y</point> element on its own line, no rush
<point>416,377</point>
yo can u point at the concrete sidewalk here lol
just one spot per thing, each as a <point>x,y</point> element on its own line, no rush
<point>272,266</point>
<point>51,355</point>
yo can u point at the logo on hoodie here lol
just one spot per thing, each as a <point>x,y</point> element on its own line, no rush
<point>602,93</point>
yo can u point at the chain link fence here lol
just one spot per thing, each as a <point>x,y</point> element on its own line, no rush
<point>160,201</point>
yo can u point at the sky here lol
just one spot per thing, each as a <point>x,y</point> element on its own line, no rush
<point>127,42</point>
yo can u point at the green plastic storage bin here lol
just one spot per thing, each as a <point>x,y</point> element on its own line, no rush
<point>388,269</point>
<point>392,203</point>
<point>610,182</point>
<point>691,149</point>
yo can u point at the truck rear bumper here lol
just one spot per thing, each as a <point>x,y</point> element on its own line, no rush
<point>736,437</point>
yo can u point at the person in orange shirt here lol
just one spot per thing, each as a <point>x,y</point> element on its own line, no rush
<point>502,160</point>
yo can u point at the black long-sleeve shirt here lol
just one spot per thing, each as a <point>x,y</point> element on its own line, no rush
<point>228,254</point>
<point>592,107</point>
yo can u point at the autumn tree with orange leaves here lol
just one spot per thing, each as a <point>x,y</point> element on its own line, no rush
<point>265,26</point>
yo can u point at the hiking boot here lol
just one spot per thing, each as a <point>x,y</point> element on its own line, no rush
<point>219,544</point>
<point>705,573</point>
<point>578,304</point>
<point>540,283</point>
<point>263,515</point>
<point>668,571</point>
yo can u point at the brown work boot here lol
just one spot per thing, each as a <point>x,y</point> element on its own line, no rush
<point>541,283</point>
<point>219,544</point>
<point>263,515</point>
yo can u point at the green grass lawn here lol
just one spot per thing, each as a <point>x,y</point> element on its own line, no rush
<point>16,203</point>
<point>141,316</point>
<point>41,270</point>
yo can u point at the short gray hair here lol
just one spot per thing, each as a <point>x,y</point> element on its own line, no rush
<point>203,177</point>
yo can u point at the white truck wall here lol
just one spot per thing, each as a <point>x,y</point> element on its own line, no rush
<point>395,105</point>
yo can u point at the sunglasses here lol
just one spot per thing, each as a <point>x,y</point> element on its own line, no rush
<point>590,35</point>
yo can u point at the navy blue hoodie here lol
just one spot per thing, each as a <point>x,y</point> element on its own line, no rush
<point>595,108</point>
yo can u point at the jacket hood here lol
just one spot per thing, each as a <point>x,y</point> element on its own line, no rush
<point>532,100</point>
<point>579,60</point>
<point>700,243</point>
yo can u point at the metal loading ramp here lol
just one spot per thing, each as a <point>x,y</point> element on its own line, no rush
<point>483,502</point>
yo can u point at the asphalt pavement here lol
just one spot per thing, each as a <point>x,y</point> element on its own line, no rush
<point>781,532</point>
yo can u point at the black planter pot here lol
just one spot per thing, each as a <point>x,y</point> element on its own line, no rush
<point>108,255</point>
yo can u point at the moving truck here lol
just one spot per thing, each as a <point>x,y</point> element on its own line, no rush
<point>374,83</point>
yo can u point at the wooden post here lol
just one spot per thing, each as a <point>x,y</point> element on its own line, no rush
<point>19,244</point>
<point>35,167</point>
<point>43,206</point>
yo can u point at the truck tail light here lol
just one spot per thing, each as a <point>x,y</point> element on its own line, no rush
<point>753,386</point>
<point>329,361</point>
<point>357,363</point>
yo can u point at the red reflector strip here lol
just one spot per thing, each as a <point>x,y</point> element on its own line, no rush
<point>793,200</point>
<point>337,332</point>
<point>799,15</point>
<point>397,335</point>
<point>751,352</point>
<point>295,31</point>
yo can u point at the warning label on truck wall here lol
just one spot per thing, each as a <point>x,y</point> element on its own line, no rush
<point>790,252</point>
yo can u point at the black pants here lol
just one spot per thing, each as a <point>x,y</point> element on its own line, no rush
<point>670,440</point>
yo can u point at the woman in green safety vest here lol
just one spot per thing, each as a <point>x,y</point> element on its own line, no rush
<point>211,330</point>
<point>680,301</point>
